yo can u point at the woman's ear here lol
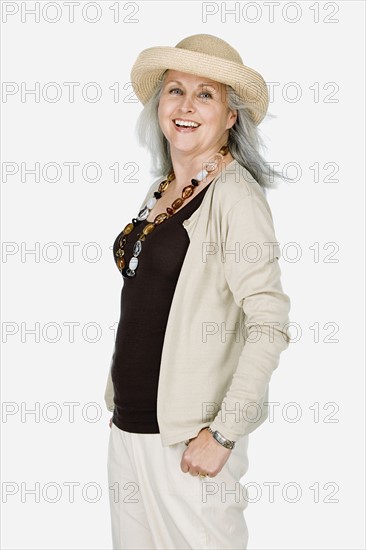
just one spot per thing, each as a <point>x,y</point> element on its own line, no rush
<point>232,118</point>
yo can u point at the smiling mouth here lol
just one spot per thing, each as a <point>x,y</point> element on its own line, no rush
<point>186,124</point>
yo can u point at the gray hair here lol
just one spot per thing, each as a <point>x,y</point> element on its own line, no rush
<point>244,140</point>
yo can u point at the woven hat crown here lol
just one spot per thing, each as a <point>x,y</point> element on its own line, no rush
<point>210,45</point>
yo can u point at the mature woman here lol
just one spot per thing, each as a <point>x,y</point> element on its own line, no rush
<point>203,313</point>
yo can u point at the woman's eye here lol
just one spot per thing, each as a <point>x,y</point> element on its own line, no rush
<point>174,90</point>
<point>207,94</point>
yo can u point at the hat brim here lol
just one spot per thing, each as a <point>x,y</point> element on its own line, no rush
<point>247,83</point>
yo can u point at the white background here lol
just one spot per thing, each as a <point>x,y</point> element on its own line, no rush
<point>311,452</point>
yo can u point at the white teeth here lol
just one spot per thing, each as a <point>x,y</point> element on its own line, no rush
<point>186,123</point>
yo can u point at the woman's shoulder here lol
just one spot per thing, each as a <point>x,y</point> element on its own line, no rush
<point>236,183</point>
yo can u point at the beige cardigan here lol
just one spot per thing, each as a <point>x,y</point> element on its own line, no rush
<point>227,322</point>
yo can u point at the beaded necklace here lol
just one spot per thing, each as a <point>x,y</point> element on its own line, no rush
<point>130,271</point>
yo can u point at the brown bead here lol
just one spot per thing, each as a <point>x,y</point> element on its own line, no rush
<point>160,218</point>
<point>148,228</point>
<point>187,191</point>
<point>129,227</point>
<point>163,186</point>
<point>177,203</point>
<point>170,211</point>
<point>121,263</point>
<point>171,176</point>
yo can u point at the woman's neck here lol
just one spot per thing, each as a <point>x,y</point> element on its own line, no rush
<point>187,167</point>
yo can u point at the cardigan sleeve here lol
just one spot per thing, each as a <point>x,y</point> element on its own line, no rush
<point>250,254</point>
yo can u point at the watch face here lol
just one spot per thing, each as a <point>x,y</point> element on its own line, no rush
<point>224,442</point>
<point>220,438</point>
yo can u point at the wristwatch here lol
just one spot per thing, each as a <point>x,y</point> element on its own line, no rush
<point>221,439</point>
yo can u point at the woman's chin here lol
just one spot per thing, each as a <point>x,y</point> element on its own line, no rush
<point>184,146</point>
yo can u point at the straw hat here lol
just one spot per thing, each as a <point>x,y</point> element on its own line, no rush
<point>202,55</point>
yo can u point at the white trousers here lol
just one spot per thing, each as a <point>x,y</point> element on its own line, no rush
<point>154,505</point>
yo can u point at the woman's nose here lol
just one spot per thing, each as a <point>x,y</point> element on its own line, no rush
<point>186,104</point>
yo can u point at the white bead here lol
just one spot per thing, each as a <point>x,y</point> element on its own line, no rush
<point>151,203</point>
<point>143,214</point>
<point>137,248</point>
<point>133,263</point>
<point>201,175</point>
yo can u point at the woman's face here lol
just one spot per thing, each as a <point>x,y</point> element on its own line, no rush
<point>190,98</point>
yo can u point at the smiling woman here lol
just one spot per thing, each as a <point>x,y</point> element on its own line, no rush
<point>184,396</point>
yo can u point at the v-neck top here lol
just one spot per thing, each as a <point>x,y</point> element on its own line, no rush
<point>145,304</point>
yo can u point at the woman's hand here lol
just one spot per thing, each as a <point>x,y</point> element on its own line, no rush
<point>110,422</point>
<point>204,455</point>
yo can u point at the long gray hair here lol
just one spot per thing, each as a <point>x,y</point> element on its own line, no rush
<point>244,140</point>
